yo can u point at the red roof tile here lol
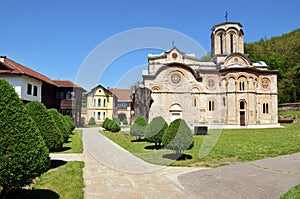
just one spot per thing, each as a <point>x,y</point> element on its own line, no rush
<point>122,94</point>
<point>18,69</point>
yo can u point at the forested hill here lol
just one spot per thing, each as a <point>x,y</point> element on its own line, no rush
<point>281,53</point>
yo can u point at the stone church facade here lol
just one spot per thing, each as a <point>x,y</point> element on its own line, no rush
<point>228,92</point>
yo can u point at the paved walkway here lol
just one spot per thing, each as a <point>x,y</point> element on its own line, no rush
<point>267,178</point>
<point>112,172</point>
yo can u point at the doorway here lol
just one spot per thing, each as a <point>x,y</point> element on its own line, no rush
<point>242,118</point>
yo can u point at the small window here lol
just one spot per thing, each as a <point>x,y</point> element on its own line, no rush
<point>242,105</point>
<point>194,102</point>
<point>221,44</point>
<point>61,95</point>
<point>98,116</point>
<point>265,108</point>
<point>35,90</point>
<point>224,101</point>
<point>104,102</point>
<point>242,86</point>
<point>231,43</point>
<point>211,105</point>
<point>29,89</point>
<point>99,102</point>
<point>104,116</point>
<point>69,95</point>
<point>95,102</point>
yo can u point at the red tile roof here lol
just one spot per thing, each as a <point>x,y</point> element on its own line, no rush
<point>18,69</point>
<point>122,94</point>
<point>8,66</point>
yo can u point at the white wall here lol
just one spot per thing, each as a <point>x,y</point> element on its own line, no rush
<point>20,85</point>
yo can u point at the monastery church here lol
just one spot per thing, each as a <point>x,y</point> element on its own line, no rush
<point>228,92</point>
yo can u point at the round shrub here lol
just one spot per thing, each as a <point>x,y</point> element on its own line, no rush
<point>105,123</point>
<point>115,127</point>
<point>92,121</point>
<point>109,124</point>
<point>178,137</point>
<point>23,152</point>
<point>58,118</point>
<point>155,130</point>
<point>138,128</point>
<point>125,122</point>
<point>46,124</point>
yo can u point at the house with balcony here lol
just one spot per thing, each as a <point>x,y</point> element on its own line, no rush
<point>63,95</point>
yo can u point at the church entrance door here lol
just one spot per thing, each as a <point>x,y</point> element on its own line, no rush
<point>242,118</point>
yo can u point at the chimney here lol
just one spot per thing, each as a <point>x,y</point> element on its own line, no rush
<point>2,59</point>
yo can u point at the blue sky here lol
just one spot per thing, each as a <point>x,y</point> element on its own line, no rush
<point>55,37</point>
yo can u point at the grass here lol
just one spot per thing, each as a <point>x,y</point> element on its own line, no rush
<point>64,180</point>
<point>289,115</point>
<point>293,193</point>
<point>236,145</point>
<point>74,144</point>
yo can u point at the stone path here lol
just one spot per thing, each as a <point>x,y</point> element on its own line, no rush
<point>112,172</point>
<point>267,178</point>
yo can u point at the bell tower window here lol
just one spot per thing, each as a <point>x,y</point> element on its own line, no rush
<point>221,44</point>
<point>231,43</point>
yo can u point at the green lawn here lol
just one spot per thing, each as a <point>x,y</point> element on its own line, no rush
<point>293,193</point>
<point>74,144</point>
<point>236,145</point>
<point>64,181</point>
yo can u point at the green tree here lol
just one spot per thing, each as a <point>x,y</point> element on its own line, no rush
<point>104,124</point>
<point>155,130</point>
<point>115,127</point>
<point>60,122</point>
<point>138,128</point>
<point>92,121</point>
<point>23,152</point>
<point>178,137</point>
<point>70,122</point>
<point>125,121</point>
<point>46,124</point>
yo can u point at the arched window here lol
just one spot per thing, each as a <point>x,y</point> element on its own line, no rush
<point>242,86</point>
<point>221,43</point>
<point>265,108</point>
<point>211,105</point>
<point>242,105</point>
<point>231,43</point>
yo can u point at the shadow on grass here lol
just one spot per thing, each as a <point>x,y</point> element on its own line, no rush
<point>174,156</point>
<point>153,147</point>
<point>139,140</point>
<point>57,163</point>
<point>62,149</point>
<point>32,194</point>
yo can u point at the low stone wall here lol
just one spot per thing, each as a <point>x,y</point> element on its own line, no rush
<point>289,106</point>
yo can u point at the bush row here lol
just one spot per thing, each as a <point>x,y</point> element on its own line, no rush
<point>177,137</point>
<point>112,125</point>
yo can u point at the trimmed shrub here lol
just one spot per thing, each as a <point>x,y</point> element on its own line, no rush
<point>125,122</point>
<point>155,130</point>
<point>92,121</point>
<point>178,137</point>
<point>105,123</point>
<point>117,120</point>
<point>109,125</point>
<point>60,122</point>
<point>46,124</point>
<point>70,121</point>
<point>138,128</point>
<point>23,152</point>
<point>115,127</point>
